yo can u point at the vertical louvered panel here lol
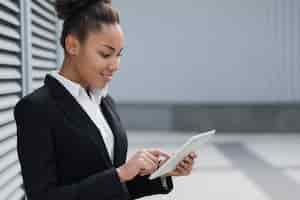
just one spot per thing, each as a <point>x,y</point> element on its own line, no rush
<point>295,42</point>
<point>287,27</point>
<point>10,93</point>
<point>44,40</point>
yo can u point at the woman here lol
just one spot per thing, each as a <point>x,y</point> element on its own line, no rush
<point>71,143</point>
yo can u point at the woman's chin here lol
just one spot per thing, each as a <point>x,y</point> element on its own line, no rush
<point>100,84</point>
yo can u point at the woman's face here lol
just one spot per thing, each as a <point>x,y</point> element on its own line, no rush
<point>98,56</point>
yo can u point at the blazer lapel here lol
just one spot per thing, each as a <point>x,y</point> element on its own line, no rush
<point>120,138</point>
<point>79,118</point>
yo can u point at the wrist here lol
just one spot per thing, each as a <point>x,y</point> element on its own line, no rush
<point>122,174</point>
<point>168,174</point>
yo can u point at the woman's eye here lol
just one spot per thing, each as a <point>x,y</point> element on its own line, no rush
<point>104,55</point>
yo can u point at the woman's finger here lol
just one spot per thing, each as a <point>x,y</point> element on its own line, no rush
<point>151,157</point>
<point>181,170</point>
<point>193,155</point>
<point>188,160</point>
<point>188,165</point>
<point>185,165</point>
<point>143,173</point>
<point>159,153</point>
<point>148,165</point>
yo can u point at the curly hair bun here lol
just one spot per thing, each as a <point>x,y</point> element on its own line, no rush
<point>66,8</point>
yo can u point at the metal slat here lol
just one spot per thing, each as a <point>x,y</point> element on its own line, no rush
<point>10,88</point>
<point>43,64</point>
<point>9,59</point>
<point>7,131</point>
<point>11,186</point>
<point>43,23</point>
<point>37,84</point>
<point>43,43</point>
<point>9,73</point>
<point>8,101</point>
<point>10,5</point>
<point>47,5</point>
<point>6,117</point>
<point>38,77</point>
<point>43,33</point>
<point>9,173</point>
<point>7,146</point>
<point>43,12</point>
<point>8,160</point>
<point>9,32</point>
<point>9,46</point>
<point>17,195</point>
<point>39,74</point>
<point>7,17</point>
<point>42,53</point>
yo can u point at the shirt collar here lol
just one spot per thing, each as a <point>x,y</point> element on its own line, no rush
<point>98,93</point>
<point>76,89</point>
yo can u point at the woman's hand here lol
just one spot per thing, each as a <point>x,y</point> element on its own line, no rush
<point>143,162</point>
<point>185,167</point>
<point>158,154</point>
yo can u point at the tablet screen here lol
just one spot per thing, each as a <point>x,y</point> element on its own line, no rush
<point>192,145</point>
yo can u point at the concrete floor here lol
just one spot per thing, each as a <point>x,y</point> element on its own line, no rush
<point>232,166</point>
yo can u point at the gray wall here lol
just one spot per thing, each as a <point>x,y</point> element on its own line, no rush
<point>194,65</point>
<point>209,51</point>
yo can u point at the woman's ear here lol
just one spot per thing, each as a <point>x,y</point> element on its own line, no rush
<point>72,45</point>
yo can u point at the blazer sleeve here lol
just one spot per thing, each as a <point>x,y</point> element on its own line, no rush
<point>141,186</point>
<point>38,167</point>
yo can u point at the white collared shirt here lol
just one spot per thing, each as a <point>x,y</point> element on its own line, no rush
<point>91,105</point>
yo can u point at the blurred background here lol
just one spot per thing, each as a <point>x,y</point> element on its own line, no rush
<point>188,66</point>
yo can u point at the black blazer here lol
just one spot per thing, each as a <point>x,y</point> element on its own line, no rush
<point>62,154</point>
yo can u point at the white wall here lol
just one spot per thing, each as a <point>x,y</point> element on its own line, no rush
<point>233,51</point>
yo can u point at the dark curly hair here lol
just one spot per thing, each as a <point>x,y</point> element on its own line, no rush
<point>82,16</point>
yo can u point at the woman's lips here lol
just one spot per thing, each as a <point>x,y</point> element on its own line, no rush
<point>107,77</point>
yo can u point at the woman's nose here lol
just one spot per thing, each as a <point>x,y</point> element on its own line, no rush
<point>114,65</point>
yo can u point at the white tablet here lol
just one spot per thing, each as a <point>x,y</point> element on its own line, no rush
<point>192,145</point>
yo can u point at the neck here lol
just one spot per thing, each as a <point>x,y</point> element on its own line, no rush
<point>68,71</point>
